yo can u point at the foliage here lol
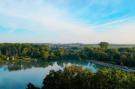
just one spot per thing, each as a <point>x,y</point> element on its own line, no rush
<point>76,77</point>
<point>119,56</point>
<point>103,44</point>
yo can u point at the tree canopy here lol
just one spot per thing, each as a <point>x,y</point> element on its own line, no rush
<point>119,56</point>
<point>76,77</point>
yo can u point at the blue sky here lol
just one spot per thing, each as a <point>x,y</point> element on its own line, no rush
<point>67,21</point>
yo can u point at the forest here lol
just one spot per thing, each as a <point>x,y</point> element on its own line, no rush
<point>14,52</point>
<point>76,77</point>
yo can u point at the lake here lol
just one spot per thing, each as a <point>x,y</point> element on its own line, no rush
<point>17,76</point>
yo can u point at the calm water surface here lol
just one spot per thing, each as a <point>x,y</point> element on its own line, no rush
<point>17,76</point>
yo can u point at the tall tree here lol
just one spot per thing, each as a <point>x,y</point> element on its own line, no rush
<point>104,44</point>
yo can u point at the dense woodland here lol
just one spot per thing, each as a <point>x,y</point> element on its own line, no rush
<point>75,77</point>
<point>120,56</point>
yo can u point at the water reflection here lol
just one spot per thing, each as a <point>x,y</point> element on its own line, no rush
<point>18,75</point>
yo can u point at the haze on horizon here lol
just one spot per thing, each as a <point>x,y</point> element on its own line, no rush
<point>67,21</point>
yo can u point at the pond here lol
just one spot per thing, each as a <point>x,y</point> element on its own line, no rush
<point>17,76</point>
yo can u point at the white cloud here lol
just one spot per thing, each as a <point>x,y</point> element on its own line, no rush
<point>46,18</point>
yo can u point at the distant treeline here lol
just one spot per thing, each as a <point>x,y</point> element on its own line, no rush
<point>75,77</point>
<point>120,56</point>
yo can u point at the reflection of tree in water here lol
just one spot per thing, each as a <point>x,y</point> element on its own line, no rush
<point>24,65</point>
<point>43,64</point>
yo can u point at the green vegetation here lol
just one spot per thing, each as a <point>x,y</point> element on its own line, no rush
<point>104,45</point>
<point>76,77</point>
<point>34,52</point>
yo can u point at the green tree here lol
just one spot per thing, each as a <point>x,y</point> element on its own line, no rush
<point>104,44</point>
<point>44,54</point>
<point>61,52</point>
<point>76,77</point>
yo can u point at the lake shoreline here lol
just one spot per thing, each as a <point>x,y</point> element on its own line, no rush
<point>105,64</point>
<point>124,68</point>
